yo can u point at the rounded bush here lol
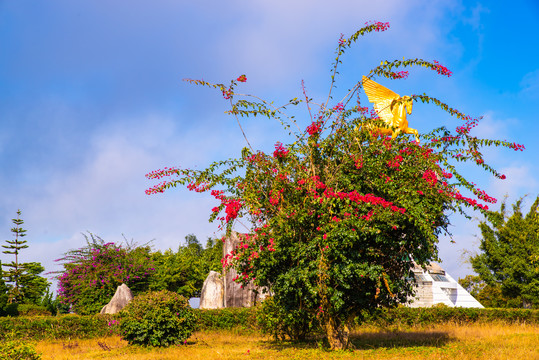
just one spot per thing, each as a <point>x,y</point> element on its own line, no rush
<point>160,318</point>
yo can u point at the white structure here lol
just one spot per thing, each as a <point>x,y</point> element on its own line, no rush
<point>435,286</point>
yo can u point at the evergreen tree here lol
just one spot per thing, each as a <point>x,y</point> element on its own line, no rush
<point>13,275</point>
<point>509,258</point>
<point>24,283</point>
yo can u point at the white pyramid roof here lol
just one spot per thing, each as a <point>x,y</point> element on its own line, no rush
<point>435,286</point>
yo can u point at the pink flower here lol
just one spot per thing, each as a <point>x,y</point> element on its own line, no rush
<point>314,128</point>
<point>242,78</point>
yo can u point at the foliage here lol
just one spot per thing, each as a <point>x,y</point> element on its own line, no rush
<point>338,216</point>
<point>488,295</point>
<point>15,271</point>
<point>16,350</point>
<point>509,258</point>
<point>3,295</point>
<point>161,318</point>
<point>405,316</point>
<point>24,283</point>
<point>273,320</point>
<point>226,318</point>
<point>56,327</point>
<point>32,310</point>
<point>92,273</point>
<point>184,272</point>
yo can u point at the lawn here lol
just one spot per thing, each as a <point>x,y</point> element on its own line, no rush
<point>474,341</point>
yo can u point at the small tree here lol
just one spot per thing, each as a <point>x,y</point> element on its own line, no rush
<point>509,257</point>
<point>92,273</point>
<point>338,216</point>
<point>24,281</point>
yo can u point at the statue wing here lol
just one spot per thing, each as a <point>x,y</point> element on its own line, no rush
<point>381,97</point>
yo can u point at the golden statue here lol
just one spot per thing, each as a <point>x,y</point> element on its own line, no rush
<point>390,107</point>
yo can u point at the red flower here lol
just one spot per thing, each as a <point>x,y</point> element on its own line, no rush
<point>314,128</point>
<point>280,151</point>
<point>242,78</point>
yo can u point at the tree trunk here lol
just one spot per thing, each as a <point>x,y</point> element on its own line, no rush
<point>337,334</point>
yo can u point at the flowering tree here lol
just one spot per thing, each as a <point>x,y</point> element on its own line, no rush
<point>92,274</point>
<point>337,217</point>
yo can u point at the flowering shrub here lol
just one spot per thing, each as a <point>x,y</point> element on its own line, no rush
<point>161,318</point>
<point>338,217</point>
<point>91,275</point>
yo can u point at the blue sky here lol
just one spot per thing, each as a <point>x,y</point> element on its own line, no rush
<point>92,99</point>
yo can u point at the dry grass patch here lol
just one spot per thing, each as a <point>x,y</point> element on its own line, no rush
<point>475,341</point>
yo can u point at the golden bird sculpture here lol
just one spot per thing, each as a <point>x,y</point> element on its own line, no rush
<point>390,107</point>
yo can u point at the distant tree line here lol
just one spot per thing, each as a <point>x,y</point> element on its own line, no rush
<point>91,274</point>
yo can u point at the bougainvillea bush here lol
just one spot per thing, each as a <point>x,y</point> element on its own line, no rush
<point>338,216</point>
<point>92,274</point>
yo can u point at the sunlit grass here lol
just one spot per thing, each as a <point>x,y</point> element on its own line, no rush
<point>475,341</point>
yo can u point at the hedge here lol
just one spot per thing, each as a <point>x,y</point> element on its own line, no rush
<point>226,319</point>
<point>75,326</point>
<point>443,314</point>
<point>56,327</point>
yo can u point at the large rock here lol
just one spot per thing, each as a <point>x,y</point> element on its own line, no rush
<point>237,295</point>
<point>213,292</point>
<point>120,299</point>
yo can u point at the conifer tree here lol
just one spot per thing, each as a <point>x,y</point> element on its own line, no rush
<point>13,275</point>
<point>23,280</point>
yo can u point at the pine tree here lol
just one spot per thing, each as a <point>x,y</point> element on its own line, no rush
<point>23,280</point>
<point>13,275</point>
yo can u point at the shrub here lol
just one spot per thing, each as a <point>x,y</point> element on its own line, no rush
<point>15,350</point>
<point>161,318</point>
<point>274,320</point>
<point>226,319</point>
<point>56,327</point>
<point>33,310</point>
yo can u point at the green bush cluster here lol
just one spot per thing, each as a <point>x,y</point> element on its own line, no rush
<point>226,319</point>
<point>33,310</point>
<point>16,350</point>
<point>55,327</point>
<point>435,315</point>
<point>275,321</point>
<point>160,318</point>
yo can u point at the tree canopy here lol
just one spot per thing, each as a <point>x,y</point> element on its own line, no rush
<point>509,254</point>
<point>337,217</point>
